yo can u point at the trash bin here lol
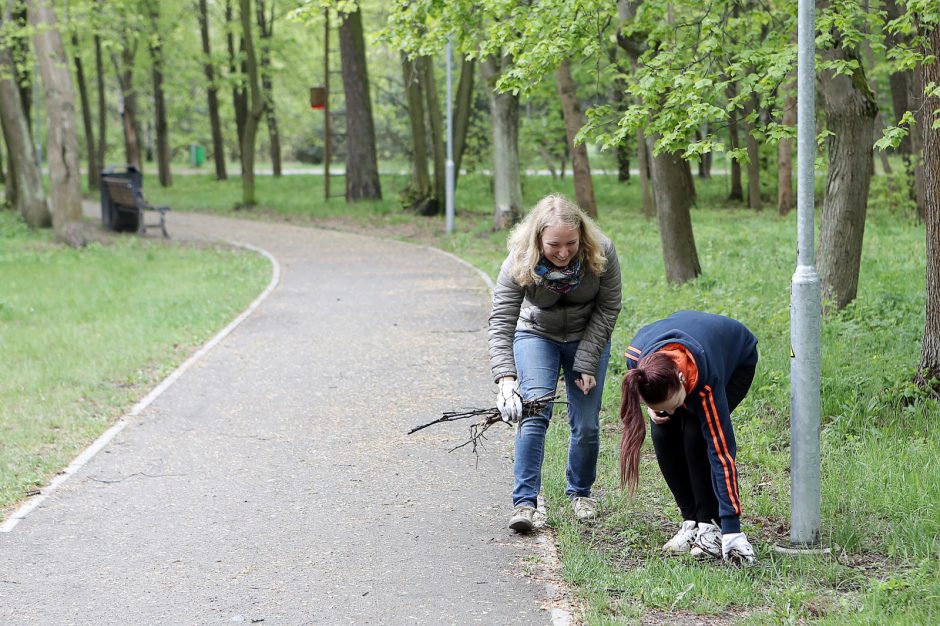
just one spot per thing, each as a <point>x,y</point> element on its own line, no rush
<point>111,218</point>
<point>197,155</point>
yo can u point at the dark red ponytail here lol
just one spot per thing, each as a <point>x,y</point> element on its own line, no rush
<point>654,379</point>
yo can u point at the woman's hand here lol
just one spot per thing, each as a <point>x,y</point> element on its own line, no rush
<point>659,421</point>
<point>585,383</point>
<point>508,400</point>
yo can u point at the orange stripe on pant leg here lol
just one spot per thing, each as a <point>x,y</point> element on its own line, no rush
<point>721,456</point>
<point>724,443</point>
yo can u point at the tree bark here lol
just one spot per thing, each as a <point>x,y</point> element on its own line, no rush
<point>929,369</point>
<point>504,112</point>
<point>215,122</point>
<point>362,170</point>
<point>673,204</point>
<point>125,74</point>
<point>705,160</point>
<point>917,143</point>
<point>737,190</point>
<point>785,201</point>
<point>255,107</point>
<point>618,98</point>
<point>102,144</point>
<point>23,59</point>
<point>436,124</point>
<point>93,167</point>
<point>266,30</point>
<point>643,158</point>
<point>634,45</point>
<point>159,101</point>
<point>419,151</point>
<point>64,169</point>
<point>236,71</point>
<point>583,185</point>
<point>753,156</point>
<point>850,114</point>
<point>463,108</point>
<point>30,196</point>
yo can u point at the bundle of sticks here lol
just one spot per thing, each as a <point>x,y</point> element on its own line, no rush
<point>486,418</point>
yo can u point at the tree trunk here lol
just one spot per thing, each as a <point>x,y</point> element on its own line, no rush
<point>705,160</point>
<point>673,204</point>
<point>850,114</point>
<point>236,71</point>
<point>504,111</point>
<point>583,184</point>
<point>929,368</point>
<point>30,196</point>
<point>463,108</point>
<point>102,144</point>
<point>419,150</point>
<point>64,170</point>
<point>753,156</point>
<point>737,190</point>
<point>917,143</point>
<point>618,90</point>
<point>785,202</point>
<point>93,167</point>
<point>23,59</point>
<point>547,157</point>
<point>218,147</point>
<point>362,170</point>
<point>643,158</point>
<point>255,106</point>
<point>159,102</point>
<point>436,124</point>
<point>266,30</point>
<point>125,73</point>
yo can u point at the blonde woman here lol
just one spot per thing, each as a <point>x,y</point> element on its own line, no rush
<point>554,308</point>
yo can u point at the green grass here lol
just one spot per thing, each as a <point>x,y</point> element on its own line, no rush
<point>85,333</point>
<point>879,441</point>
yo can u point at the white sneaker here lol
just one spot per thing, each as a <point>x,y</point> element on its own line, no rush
<point>682,541</point>
<point>585,509</point>
<point>707,543</point>
<point>523,518</point>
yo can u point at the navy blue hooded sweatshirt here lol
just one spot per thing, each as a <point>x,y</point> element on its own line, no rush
<point>720,345</point>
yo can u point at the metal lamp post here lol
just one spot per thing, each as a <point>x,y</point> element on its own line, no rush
<point>805,307</point>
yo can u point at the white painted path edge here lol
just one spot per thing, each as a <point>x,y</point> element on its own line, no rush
<point>31,503</point>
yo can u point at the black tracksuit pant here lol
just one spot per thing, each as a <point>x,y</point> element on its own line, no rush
<point>682,454</point>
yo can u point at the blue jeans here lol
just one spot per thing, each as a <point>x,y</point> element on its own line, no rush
<point>539,362</point>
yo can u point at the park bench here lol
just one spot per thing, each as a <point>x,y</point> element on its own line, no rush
<point>128,198</point>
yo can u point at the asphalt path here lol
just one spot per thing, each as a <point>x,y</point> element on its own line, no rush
<point>274,480</point>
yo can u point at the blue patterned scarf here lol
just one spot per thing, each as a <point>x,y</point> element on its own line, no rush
<point>559,279</point>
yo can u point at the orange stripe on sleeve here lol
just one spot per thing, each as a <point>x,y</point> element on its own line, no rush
<point>724,443</point>
<point>721,450</point>
<point>634,349</point>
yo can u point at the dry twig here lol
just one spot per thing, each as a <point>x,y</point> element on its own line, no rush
<point>488,417</point>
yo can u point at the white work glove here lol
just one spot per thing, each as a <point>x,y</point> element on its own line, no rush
<point>508,400</point>
<point>735,548</point>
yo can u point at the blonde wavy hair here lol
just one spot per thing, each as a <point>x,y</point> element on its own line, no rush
<point>525,240</point>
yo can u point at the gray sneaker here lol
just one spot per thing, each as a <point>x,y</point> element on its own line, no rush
<point>585,509</point>
<point>707,543</point>
<point>523,518</point>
